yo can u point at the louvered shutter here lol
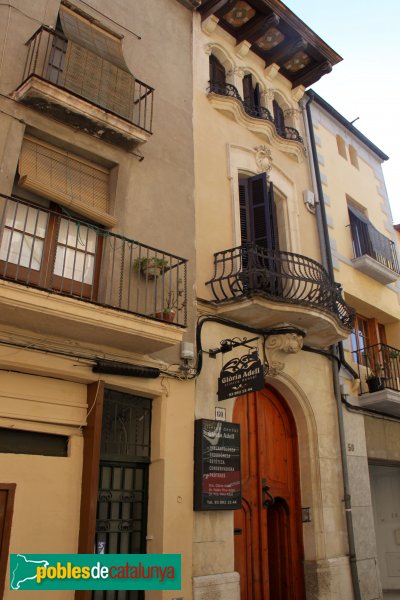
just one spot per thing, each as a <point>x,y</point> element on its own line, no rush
<point>248,95</point>
<point>257,95</point>
<point>262,212</point>
<point>243,209</point>
<point>279,118</point>
<point>217,71</point>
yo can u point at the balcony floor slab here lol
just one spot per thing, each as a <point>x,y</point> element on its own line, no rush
<point>54,315</point>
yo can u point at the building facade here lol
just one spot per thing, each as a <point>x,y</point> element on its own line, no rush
<point>96,295</point>
<point>365,259</point>
<point>260,277</point>
<point>177,209</point>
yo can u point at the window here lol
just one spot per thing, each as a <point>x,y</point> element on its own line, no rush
<point>353,157</point>
<point>341,146</point>
<point>367,240</point>
<point>365,337</point>
<point>279,118</point>
<point>42,243</point>
<point>251,92</point>
<point>360,339</point>
<point>43,248</point>
<point>258,223</point>
<point>217,74</point>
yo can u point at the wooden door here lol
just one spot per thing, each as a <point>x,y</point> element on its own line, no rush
<point>268,534</point>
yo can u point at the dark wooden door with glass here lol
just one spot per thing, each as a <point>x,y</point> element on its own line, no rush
<point>123,481</point>
<point>268,529</point>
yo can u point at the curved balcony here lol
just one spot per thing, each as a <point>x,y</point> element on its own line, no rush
<point>249,279</point>
<point>257,112</point>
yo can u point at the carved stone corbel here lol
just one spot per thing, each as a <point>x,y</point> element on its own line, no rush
<point>278,346</point>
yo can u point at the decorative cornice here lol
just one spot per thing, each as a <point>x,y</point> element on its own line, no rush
<point>264,128</point>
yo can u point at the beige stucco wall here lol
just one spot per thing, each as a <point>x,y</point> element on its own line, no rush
<point>148,198</point>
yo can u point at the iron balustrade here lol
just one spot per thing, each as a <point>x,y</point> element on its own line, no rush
<point>368,240</point>
<point>258,112</point>
<point>110,88</point>
<point>249,270</point>
<point>378,362</point>
<point>54,251</point>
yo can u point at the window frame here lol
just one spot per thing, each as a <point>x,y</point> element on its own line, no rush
<point>5,531</point>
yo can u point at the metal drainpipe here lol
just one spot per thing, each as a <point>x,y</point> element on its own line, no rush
<point>326,253</point>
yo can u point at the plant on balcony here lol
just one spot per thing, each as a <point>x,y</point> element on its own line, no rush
<point>374,378</point>
<point>173,302</point>
<point>150,267</point>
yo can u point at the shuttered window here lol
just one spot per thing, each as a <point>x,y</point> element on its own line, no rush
<point>217,71</point>
<point>66,179</point>
<point>279,118</point>
<point>258,221</point>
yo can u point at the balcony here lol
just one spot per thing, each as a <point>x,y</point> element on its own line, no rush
<point>257,112</point>
<point>379,372</point>
<point>374,254</point>
<point>59,274</point>
<point>262,288</point>
<point>107,102</point>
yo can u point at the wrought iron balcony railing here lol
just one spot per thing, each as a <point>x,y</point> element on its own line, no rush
<point>50,250</point>
<point>108,86</point>
<point>368,240</point>
<point>379,366</point>
<point>280,276</point>
<point>258,112</point>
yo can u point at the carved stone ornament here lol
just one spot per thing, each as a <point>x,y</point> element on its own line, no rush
<point>292,113</point>
<point>263,159</point>
<point>277,346</point>
<point>270,94</point>
<point>238,71</point>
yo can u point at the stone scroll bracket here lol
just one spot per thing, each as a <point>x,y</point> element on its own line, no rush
<point>278,346</point>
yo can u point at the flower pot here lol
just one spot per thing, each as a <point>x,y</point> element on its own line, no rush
<point>151,272</point>
<point>166,315</point>
<point>375,384</point>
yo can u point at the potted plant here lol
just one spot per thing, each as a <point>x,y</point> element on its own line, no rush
<point>151,266</point>
<point>375,380</point>
<point>172,302</point>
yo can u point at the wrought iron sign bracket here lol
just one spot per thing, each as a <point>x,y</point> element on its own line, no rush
<point>228,345</point>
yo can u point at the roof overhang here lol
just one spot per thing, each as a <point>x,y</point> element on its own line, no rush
<point>275,34</point>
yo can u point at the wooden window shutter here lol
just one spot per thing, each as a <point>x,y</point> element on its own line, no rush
<point>67,179</point>
<point>217,71</point>
<point>264,230</point>
<point>248,93</point>
<point>243,210</point>
<point>279,117</point>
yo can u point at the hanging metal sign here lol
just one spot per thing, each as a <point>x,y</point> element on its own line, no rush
<point>217,477</point>
<point>241,376</point>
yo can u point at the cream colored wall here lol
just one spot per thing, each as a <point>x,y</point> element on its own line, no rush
<point>365,186</point>
<point>48,493</point>
<point>225,145</point>
<point>306,384</point>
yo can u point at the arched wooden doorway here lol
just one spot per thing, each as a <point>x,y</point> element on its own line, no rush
<point>268,529</point>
